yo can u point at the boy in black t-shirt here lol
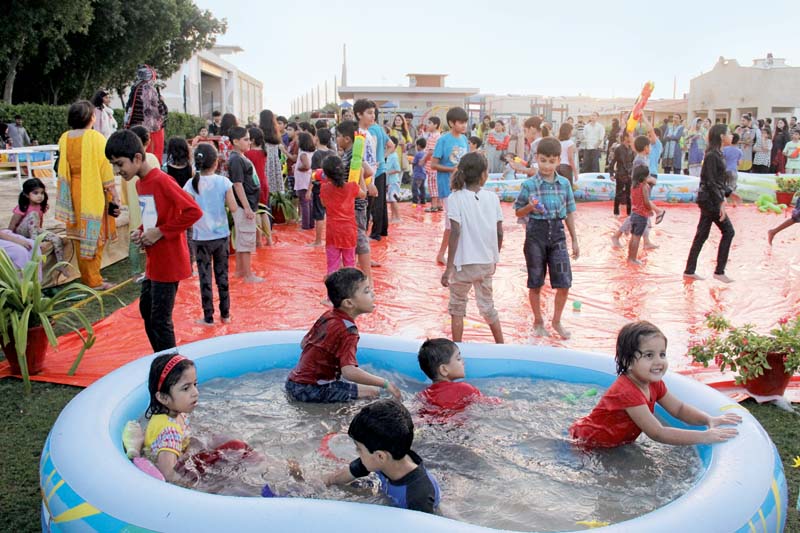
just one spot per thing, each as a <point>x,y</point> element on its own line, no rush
<point>246,190</point>
<point>323,139</point>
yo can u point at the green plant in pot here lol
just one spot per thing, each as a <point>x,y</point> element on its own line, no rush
<point>28,314</point>
<point>280,201</point>
<point>764,362</point>
<point>787,188</point>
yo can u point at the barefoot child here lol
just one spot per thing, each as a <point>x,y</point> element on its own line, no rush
<point>210,234</point>
<point>383,433</point>
<point>418,176</point>
<point>393,175</point>
<point>476,236</point>
<point>643,209</point>
<point>626,409</point>
<point>329,348</point>
<point>337,196</point>
<point>257,155</point>
<point>317,208</point>
<point>167,212</point>
<point>786,223</point>
<point>246,190</point>
<point>547,201</point>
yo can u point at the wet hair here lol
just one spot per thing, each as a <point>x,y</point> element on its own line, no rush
<point>469,172</point>
<point>97,99</point>
<point>205,157</point>
<point>236,133</point>
<point>324,136</point>
<point>433,353</point>
<point>715,137</point>
<point>533,122</point>
<point>124,143</point>
<point>269,126</point>
<point>333,167</point>
<point>343,284</point>
<point>256,137</point>
<point>640,174</point>
<point>156,368</point>
<point>347,129</point>
<point>361,105</point>
<point>384,425</point>
<point>564,131</point>
<point>305,142</point>
<point>628,340</point>
<point>640,143</point>
<point>143,134</point>
<point>228,121</point>
<point>476,141</point>
<point>421,143</point>
<point>177,151</point>
<point>436,121</point>
<point>549,147</point>
<point>735,139</point>
<point>28,186</point>
<point>80,114</point>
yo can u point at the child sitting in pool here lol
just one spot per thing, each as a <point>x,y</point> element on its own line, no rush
<point>626,409</point>
<point>441,361</point>
<point>329,348</point>
<point>383,433</point>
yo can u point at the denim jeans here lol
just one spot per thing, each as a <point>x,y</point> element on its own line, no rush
<point>418,190</point>
<point>155,305</point>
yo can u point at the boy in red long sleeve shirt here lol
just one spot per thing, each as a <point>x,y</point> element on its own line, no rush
<point>167,212</point>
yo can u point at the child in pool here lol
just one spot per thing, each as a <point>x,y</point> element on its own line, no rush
<point>29,215</point>
<point>383,433</point>
<point>329,348</point>
<point>441,361</point>
<point>626,409</point>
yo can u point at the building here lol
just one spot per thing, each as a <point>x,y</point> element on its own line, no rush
<point>425,95</point>
<point>207,82</point>
<point>768,88</point>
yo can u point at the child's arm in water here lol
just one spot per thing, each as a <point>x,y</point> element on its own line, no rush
<point>340,477</point>
<point>650,425</point>
<point>362,377</point>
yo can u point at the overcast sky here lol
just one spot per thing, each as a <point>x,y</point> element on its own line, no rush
<point>570,47</point>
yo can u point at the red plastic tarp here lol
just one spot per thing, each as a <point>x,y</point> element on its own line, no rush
<point>411,301</point>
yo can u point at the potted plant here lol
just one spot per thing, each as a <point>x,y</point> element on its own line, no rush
<point>283,209</point>
<point>787,188</point>
<point>764,362</point>
<point>28,314</point>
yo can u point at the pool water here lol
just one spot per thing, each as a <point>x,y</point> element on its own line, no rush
<point>505,466</point>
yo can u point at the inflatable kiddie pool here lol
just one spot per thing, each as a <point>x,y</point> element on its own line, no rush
<point>88,484</point>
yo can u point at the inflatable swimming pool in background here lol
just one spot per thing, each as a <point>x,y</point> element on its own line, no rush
<point>88,484</point>
<point>671,188</point>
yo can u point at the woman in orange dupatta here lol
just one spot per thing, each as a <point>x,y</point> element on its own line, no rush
<point>85,187</point>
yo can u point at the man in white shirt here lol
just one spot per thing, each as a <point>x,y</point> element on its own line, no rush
<point>593,135</point>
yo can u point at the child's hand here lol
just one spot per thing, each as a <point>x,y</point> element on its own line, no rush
<point>151,236</point>
<point>394,391</point>
<point>372,190</point>
<point>136,237</point>
<point>715,435</point>
<point>726,419</point>
<point>576,251</point>
<point>446,277</point>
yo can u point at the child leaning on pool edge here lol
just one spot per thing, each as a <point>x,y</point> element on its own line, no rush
<point>626,409</point>
<point>383,433</point>
<point>329,348</point>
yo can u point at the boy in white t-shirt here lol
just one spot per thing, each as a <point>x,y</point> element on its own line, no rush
<point>476,236</point>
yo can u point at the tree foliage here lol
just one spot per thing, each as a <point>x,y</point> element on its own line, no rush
<point>122,34</point>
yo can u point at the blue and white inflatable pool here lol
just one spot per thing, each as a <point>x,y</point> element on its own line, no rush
<point>88,484</point>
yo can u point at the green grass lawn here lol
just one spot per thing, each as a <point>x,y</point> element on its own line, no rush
<point>27,420</point>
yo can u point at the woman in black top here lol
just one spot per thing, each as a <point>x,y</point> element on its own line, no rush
<point>613,137</point>
<point>621,172</point>
<point>778,144</point>
<point>711,197</point>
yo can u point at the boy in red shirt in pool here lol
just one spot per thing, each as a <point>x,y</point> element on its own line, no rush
<point>441,361</point>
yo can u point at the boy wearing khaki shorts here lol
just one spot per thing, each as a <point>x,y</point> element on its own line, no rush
<point>246,190</point>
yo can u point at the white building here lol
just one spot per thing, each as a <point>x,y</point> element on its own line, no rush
<point>207,82</point>
<point>768,88</point>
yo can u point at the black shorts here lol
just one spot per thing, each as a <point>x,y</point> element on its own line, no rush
<point>317,209</point>
<point>638,224</point>
<point>546,249</point>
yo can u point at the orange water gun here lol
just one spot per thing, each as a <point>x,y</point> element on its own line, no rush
<point>796,153</point>
<point>638,106</point>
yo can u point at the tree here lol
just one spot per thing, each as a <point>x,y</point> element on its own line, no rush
<point>122,35</point>
<point>37,28</point>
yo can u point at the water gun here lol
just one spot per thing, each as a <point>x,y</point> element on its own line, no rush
<point>795,153</point>
<point>537,205</point>
<point>318,176</point>
<point>638,106</point>
<point>358,158</point>
<point>765,203</point>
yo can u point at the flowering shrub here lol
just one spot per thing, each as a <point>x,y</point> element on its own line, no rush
<point>744,350</point>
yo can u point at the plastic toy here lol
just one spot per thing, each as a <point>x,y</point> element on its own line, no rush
<point>148,468</point>
<point>330,440</point>
<point>572,398</point>
<point>537,205</point>
<point>641,101</point>
<point>266,492</point>
<point>358,158</point>
<point>318,176</point>
<point>591,524</point>
<point>576,305</point>
<point>132,439</point>
<point>796,463</point>
<point>766,203</point>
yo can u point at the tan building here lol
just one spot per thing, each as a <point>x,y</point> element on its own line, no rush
<point>768,88</point>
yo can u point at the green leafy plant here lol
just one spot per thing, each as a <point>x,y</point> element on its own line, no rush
<point>788,184</point>
<point>743,350</point>
<point>23,305</point>
<point>282,201</point>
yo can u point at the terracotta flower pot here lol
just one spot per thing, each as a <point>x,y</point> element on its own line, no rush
<point>34,354</point>
<point>784,197</point>
<point>772,382</point>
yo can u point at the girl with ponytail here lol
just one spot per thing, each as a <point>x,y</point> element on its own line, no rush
<point>210,234</point>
